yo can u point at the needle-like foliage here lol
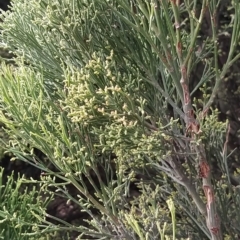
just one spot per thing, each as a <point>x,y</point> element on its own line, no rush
<point>105,89</point>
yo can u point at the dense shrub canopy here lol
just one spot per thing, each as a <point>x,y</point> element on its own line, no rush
<point>119,94</point>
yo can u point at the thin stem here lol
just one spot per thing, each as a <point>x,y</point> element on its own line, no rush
<point>230,60</point>
<point>195,34</point>
<point>168,98</point>
<point>93,200</point>
<point>178,42</point>
<point>218,82</point>
<point>185,181</point>
<point>214,38</point>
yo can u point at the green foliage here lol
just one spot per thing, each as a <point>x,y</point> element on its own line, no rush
<point>102,88</point>
<point>22,207</point>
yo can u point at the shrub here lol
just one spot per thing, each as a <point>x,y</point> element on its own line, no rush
<point>22,207</point>
<point>105,89</point>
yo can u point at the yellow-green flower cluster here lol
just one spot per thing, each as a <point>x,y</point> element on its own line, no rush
<point>96,94</point>
<point>97,97</point>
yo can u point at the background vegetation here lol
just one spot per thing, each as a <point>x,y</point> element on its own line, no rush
<point>122,108</point>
